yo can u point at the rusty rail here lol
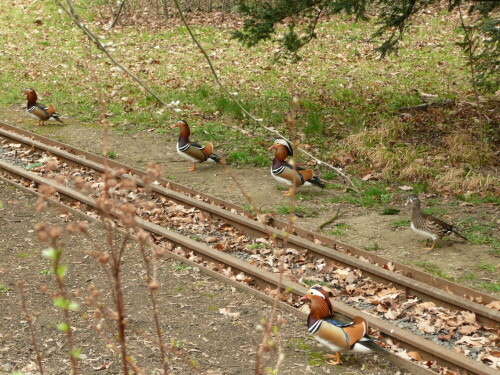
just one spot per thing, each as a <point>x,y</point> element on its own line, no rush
<point>428,349</point>
<point>416,282</point>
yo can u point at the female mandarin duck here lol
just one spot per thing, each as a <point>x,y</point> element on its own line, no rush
<point>39,111</point>
<point>194,152</point>
<point>336,331</point>
<point>428,226</point>
<point>284,172</point>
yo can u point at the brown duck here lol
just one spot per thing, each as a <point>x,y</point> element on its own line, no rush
<point>39,111</point>
<point>193,152</point>
<point>336,331</point>
<point>284,172</point>
<point>428,226</point>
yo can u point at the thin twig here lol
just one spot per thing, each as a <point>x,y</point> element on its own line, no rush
<point>470,53</point>
<point>335,217</point>
<point>63,293</point>
<point>281,253</point>
<point>257,120</point>
<point>76,19</point>
<point>115,20</point>
<point>152,288</point>
<point>29,319</point>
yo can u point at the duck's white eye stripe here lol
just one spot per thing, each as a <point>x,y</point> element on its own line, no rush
<point>316,292</point>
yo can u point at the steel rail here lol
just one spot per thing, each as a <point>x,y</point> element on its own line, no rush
<point>411,280</point>
<point>30,138</point>
<point>412,367</point>
<point>263,279</point>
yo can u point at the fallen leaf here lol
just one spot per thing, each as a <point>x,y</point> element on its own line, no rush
<point>415,356</point>
<point>495,305</point>
<point>468,330</point>
<point>405,188</point>
<point>227,312</point>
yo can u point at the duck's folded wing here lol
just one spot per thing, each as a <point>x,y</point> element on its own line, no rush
<point>330,335</point>
<point>197,145</point>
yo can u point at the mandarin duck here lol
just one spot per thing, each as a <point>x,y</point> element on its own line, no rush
<point>336,331</point>
<point>39,111</point>
<point>284,142</point>
<point>284,172</point>
<point>194,152</point>
<point>428,226</point>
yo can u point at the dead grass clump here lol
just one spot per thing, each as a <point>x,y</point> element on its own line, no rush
<point>414,172</point>
<point>459,180</point>
<point>463,148</point>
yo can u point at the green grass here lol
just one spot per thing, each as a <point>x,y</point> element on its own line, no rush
<point>480,199</point>
<point>373,247</point>
<point>470,276</point>
<point>284,209</point>
<point>351,111</point>
<point>255,246</point>
<point>111,154</point>
<point>181,266</point>
<point>486,267</point>
<point>339,229</point>
<point>433,269</point>
<point>491,287</point>
<point>4,289</point>
<point>481,234</point>
<point>401,223</point>
<point>372,196</point>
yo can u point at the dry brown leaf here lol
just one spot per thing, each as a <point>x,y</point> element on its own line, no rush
<point>495,305</point>
<point>468,330</point>
<point>390,315</point>
<point>445,337</point>
<point>227,312</point>
<point>415,356</point>
<point>426,327</point>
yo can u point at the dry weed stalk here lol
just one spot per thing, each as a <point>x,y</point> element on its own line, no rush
<point>266,344</point>
<point>243,110</point>
<point>62,300</point>
<point>29,319</point>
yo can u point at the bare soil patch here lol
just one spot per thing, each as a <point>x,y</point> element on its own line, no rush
<point>189,307</point>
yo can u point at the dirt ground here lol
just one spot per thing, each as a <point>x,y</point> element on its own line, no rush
<point>189,304</point>
<point>364,228</point>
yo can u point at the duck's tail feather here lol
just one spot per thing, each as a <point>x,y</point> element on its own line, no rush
<point>317,182</point>
<point>455,233</point>
<point>215,158</point>
<point>369,343</point>
<point>56,116</point>
<point>51,111</point>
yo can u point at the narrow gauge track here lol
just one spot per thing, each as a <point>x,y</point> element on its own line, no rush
<point>412,281</point>
<point>210,259</point>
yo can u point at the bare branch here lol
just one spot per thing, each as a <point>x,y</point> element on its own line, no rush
<point>257,120</point>
<point>70,11</point>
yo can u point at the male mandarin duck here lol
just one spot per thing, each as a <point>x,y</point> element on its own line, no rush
<point>336,331</point>
<point>284,172</point>
<point>194,152</point>
<point>39,111</point>
<point>428,226</point>
<point>284,142</point>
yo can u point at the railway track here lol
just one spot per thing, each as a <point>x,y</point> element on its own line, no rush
<point>261,278</point>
